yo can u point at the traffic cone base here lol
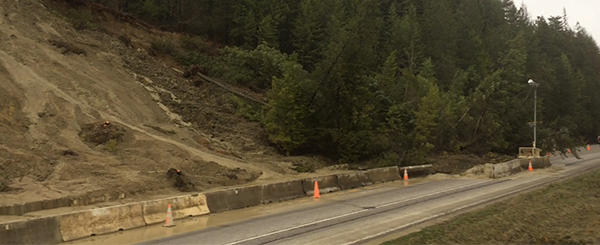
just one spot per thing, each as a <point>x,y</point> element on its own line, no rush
<point>317,194</point>
<point>169,220</point>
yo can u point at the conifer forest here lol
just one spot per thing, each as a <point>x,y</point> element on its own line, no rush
<point>396,80</point>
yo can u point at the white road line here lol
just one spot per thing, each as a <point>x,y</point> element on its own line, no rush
<point>439,215</point>
<point>349,214</point>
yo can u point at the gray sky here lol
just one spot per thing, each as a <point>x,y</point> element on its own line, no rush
<point>586,12</point>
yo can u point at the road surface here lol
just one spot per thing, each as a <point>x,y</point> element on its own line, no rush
<point>360,216</point>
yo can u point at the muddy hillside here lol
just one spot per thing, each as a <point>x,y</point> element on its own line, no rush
<point>90,110</point>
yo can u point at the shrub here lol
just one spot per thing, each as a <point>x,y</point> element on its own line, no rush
<point>251,112</point>
<point>111,145</point>
<point>81,19</point>
<point>162,46</point>
<point>194,44</point>
<point>251,67</point>
<point>3,184</point>
<point>304,167</point>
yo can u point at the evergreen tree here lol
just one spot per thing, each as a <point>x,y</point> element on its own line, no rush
<point>286,120</point>
<point>398,79</point>
<point>309,31</point>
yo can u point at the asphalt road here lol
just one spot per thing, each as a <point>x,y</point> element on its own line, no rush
<point>351,217</point>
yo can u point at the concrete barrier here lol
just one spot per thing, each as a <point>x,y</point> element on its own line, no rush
<point>380,175</point>
<point>80,200</point>
<point>231,199</point>
<point>515,166</point>
<point>80,224</point>
<point>30,231</point>
<point>353,180</point>
<point>506,168</point>
<point>536,163</point>
<point>99,221</point>
<point>23,208</point>
<point>417,173</point>
<point>326,184</point>
<point>96,198</point>
<point>155,211</point>
<point>283,191</point>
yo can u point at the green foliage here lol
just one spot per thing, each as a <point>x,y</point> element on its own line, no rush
<point>304,167</point>
<point>163,46</point>
<point>188,50</point>
<point>193,44</point>
<point>194,58</point>
<point>396,79</point>
<point>152,9</point>
<point>569,202</point>
<point>404,35</point>
<point>248,111</point>
<point>3,183</point>
<point>252,68</point>
<point>390,159</point>
<point>257,22</point>
<point>427,118</point>
<point>81,19</point>
<point>111,145</point>
<point>287,120</point>
<point>309,31</point>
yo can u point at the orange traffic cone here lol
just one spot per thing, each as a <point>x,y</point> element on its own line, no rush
<point>530,167</point>
<point>169,219</point>
<point>588,147</point>
<point>405,174</point>
<point>316,194</point>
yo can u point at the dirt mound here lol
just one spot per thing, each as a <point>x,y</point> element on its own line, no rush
<point>59,87</point>
<point>102,132</point>
<point>179,180</point>
<point>60,84</point>
<point>484,170</point>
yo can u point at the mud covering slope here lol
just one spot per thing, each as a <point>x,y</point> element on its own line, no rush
<point>55,82</point>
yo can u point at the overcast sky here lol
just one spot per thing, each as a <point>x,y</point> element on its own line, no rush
<point>586,12</point>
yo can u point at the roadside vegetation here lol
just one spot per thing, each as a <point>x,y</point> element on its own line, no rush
<point>393,81</point>
<point>563,213</point>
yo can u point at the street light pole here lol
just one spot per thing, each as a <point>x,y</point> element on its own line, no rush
<point>535,86</point>
<point>534,118</point>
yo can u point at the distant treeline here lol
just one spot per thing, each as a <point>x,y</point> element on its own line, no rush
<point>398,79</point>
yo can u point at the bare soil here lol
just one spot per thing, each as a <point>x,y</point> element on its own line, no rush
<point>60,81</point>
<point>459,164</point>
<point>563,213</point>
<point>59,84</point>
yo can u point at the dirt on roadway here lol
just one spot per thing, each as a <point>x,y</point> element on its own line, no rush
<point>563,213</point>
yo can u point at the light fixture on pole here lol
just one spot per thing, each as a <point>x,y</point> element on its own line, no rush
<point>535,86</point>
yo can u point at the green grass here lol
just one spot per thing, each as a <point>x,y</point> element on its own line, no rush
<point>563,213</point>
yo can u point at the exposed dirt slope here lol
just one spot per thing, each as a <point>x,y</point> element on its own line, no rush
<point>58,85</point>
